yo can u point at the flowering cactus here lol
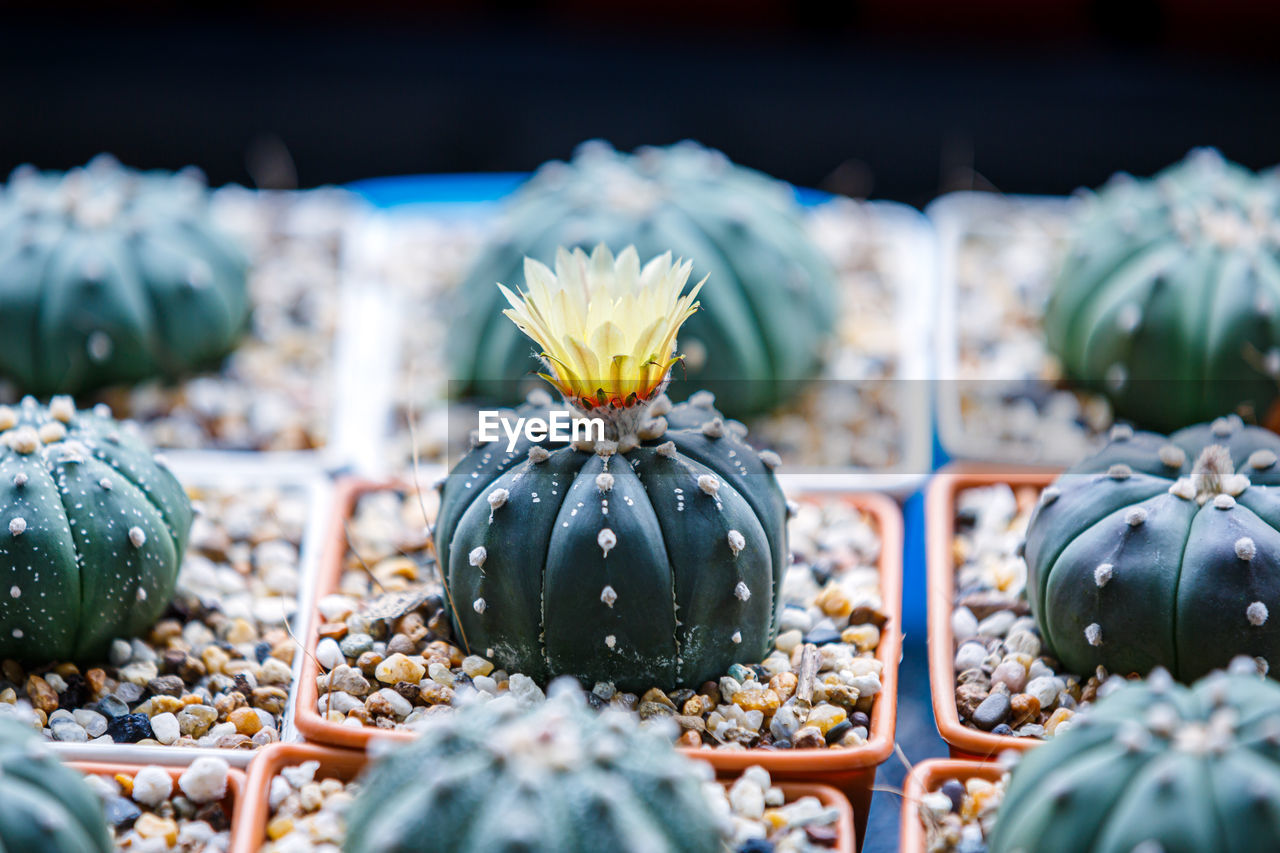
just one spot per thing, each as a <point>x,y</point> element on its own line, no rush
<point>650,556</point>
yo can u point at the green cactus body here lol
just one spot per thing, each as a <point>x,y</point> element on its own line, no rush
<point>1154,767</point>
<point>110,276</point>
<point>92,531</point>
<point>558,778</point>
<point>1168,299</point>
<point>657,564</point>
<point>1161,552</point>
<point>44,805</point>
<point>763,326</point>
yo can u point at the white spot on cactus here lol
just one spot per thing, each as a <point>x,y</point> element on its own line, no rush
<point>608,595</point>
<point>1102,574</point>
<point>1234,484</point>
<point>1121,432</point>
<point>702,399</point>
<point>770,459</point>
<point>8,417</point>
<point>538,454</point>
<point>1135,516</point>
<point>1128,318</point>
<point>1262,459</point>
<point>1222,427</point>
<point>606,539</point>
<point>667,449</point>
<point>52,432</point>
<point>24,440</point>
<point>1093,633</point>
<point>708,484</point>
<point>736,638</point>
<point>19,479</point>
<point>142,594</point>
<point>741,591</point>
<point>18,525</point>
<point>15,592</point>
<point>62,409</point>
<point>604,481</point>
<point>1257,614</point>
<point>1172,456</point>
<point>606,448</point>
<point>713,428</point>
<point>1050,494</point>
<point>611,641</point>
<point>1246,549</point>
<point>1116,377</point>
<point>102,410</point>
<point>1183,488</point>
<point>17,633</point>
<point>661,405</point>
<point>477,556</point>
<point>497,498</point>
<point>653,428</point>
<point>137,536</point>
<point>736,542</point>
<point>1163,720</point>
<point>99,346</point>
<point>1224,501</point>
<point>105,484</point>
<point>1120,471</point>
<point>479,606</point>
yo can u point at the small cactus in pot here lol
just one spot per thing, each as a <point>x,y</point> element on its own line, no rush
<point>44,805</point>
<point>109,276</point>
<point>1155,766</point>
<point>558,777</point>
<point>92,532</point>
<point>1161,552</point>
<point>653,555</point>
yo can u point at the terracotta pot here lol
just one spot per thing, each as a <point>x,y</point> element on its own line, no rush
<point>851,770</point>
<point>965,742</point>
<point>250,829</point>
<point>233,802</point>
<point>929,776</point>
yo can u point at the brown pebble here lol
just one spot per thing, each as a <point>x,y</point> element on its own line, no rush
<point>400,644</point>
<point>697,705</point>
<point>1023,708</point>
<point>690,739</point>
<point>95,679</point>
<point>434,693</point>
<point>42,696</point>
<point>368,662</point>
<point>236,741</point>
<point>784,684</point>
<point>711,690</point>
<point>809,737</point>
<point>653,694</point>
<point>270,699</point>
<point>983,604</point>
<point>863,614</point>
<point>246,721</point>
<point>968,698</point>
<point>228,702</point>
<point>333,630</point>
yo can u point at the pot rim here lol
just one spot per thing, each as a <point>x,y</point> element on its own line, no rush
<point>880,738</point>
<point>928,776</point>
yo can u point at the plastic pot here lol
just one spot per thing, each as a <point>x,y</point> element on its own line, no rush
<point>929,776</point>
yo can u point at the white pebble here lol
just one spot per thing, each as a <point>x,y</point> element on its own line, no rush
<point>165,727</point>
<point>329,653</point>
<point>205,781</point>
<point>152,785</point>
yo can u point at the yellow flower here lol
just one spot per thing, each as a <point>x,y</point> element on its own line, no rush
<point>607,328</point>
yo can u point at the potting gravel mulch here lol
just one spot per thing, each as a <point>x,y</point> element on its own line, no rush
<point>1013,403</point>
<point>855,415</point>
<point>309,814</point>
<point>959,816</point>
<point>388,658</point>
<point>274,392</point>
<point>216,671</point>
<point>1004,682</point>
<point>148,813</point>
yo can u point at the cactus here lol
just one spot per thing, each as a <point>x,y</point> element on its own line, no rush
<point>762,332</point>
<point>1161,552</point>
<point>92,530</point>
<point>1155,766</point>
<point>1168,299</point>
<point>557,777</point>
<point>44,805</point>
<point>110,276</point>
<point>651,557</point>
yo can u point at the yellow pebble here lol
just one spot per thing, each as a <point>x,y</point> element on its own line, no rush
<point>151,826</point>
<point>826,717</point>
<point>246,721</point>
<point>279,828</point>
<point>775,819</point>
<point>1057,718</point>
<point>126,784</point>
<point>214,658</point>
<point>833,601</point>
<point>757,700</point>
<point>864,638</point>
<point>162,704</point>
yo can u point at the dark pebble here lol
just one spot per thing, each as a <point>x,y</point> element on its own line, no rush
<point>821,571</point>
<point>167,685</point>
<point>121,812</point>
<point>242,685</point>
<point>823,636</point>
<point>823,836</point>
<point>993,711</point>
<point>215,816</point>
<point>954,789</point>
<point>75,694</point>
<point>684,694</point>
<point>261,651</point>
<point>966,517</point>
<point>110,707</point>
<point>838,731</point>
<point>595,701</point>
<point>1003,729</point>
<point>858,718</point>
<point>756,845</point>
<point>129,728</point>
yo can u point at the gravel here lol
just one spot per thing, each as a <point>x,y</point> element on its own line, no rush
<point>216,671</point>
<point>959,816</point>
<point>147,813</point>
<point>386,634</point>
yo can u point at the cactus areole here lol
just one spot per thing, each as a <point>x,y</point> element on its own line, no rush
<point>43,805</point>
<point>1162,552</point>
<point>1168,299</point>
<point>92,530</point>
<point>1155,766</point>
<point>499,778</point>
<point>651,557</point>
<point>109,276</point>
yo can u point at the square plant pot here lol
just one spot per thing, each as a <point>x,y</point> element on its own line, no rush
<point>852,768</point>
<point>233,804</point>
<point>250,831</point>
<point>866,422</point>
<point>965,740</point>
<point>998,396</point>
<point>253,553</point>
<point>926,778</point>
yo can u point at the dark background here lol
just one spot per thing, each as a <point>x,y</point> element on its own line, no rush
<point>890,99</point>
